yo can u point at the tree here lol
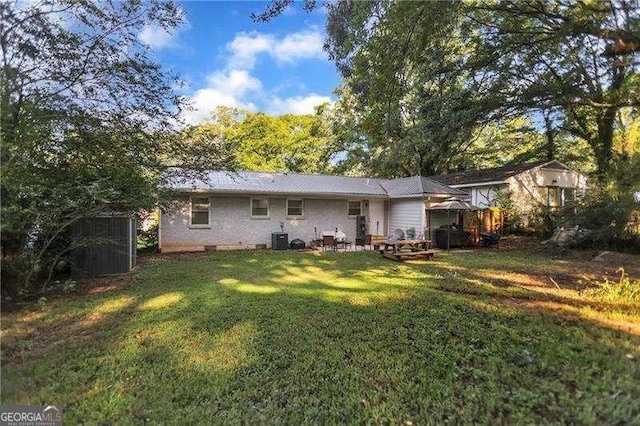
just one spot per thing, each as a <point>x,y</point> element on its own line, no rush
<point>428,73</point>
<point>416,117</point>
<point>87,120</point>
<point>263,142</point>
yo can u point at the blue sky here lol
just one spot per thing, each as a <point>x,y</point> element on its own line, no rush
<point>227,59</point>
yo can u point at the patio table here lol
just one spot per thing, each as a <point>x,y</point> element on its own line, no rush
<point>401,249</point>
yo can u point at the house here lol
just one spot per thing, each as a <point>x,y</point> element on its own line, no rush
<point>235,210</point>
<point>531,185</point>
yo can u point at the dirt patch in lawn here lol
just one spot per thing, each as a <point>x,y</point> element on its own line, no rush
<point>564,309</point>
<point>578,262</point>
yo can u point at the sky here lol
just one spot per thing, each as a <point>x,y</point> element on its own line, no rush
<point>226,59</point>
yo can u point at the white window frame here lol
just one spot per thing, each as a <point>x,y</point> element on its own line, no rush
<point>251,208</point>
<point>191,211</point>
<point>348,209</point>
<point>301,208</point>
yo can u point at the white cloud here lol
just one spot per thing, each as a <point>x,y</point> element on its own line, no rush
<point>234,86</point>
<point>155,37</point>
<point>226,88</point>
<point>303,45</point>
<point>158,38</point>
<point>235,82</point>
<point>246,47</point>
<point>297,104</point>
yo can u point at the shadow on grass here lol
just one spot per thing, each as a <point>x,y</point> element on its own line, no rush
<point>332,338</point>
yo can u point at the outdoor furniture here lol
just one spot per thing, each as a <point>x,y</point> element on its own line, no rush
<point>452,236</point>
<point>364,242</point>
<point>328,241</point>
<point>402,249</point>
<point>344,244</point>
<point>398,234</point>
<point>489,240</point>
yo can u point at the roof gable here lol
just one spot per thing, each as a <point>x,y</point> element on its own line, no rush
<point>495,174</point>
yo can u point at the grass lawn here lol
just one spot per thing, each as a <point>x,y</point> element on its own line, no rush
<point>284,337</point>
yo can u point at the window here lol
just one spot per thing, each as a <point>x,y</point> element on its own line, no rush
<point>259,207</point>
<point>200,211</point>
<point>553,199</point>
<point>568,196</point>
<point>355,208</point>
<point>294,207</point>
<point>554,196</point>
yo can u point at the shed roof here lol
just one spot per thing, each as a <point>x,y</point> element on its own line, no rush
<point>496,174</point>
<point>417,185</point>
<point>275,183</point>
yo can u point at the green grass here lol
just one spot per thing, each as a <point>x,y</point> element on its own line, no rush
<point>272,337</point>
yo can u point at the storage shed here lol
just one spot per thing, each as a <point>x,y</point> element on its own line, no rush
<point>103,245</point>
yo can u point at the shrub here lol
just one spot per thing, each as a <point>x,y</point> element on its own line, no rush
<point>625,290</point>
<point>147,225</point>
<point>606,211</point>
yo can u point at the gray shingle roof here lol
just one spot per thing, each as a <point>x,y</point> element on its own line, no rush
<point>496,174</point>
<point>276,183</point>
<point>305,184</point>
<point>417,185</point>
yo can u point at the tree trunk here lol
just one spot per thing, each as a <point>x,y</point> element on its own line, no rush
<point>603,145</point>
<point>550,134</point>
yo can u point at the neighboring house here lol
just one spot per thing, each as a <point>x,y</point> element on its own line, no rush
<point>548,183</point>
<point>234,210</point>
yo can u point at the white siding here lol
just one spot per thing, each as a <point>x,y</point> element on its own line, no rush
<point>485,196</point>
<point>525,186</point>
<point>406,213</point>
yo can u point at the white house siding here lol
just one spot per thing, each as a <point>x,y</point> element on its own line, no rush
<point>525,186</point>
<point>484,196</point>
<point>233,228</point>
<point>406,213</point>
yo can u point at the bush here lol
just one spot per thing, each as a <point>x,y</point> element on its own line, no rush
<point>625,290</point>
<point>605,210</point>
<point>147,224</point>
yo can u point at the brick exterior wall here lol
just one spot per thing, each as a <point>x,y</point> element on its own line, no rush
<point>232,227</point>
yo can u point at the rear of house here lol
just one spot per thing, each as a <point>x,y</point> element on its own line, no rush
<point>244,210</point>
<point>225,211</point>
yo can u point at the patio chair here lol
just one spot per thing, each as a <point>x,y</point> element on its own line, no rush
<point>398,234</point>
<point>341,241</point>
<point>364,242</point>
<point>328,241</point>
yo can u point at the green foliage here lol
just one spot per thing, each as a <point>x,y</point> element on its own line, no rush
<point>148,225</point>
<point>262,142</point>
<point>607,209</point>
<point>422,78</point>
<point>510,210</point>
<point>625,290</point>
<point>86,122</point>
